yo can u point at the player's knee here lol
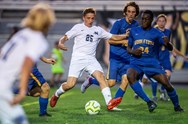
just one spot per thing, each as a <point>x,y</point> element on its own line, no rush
<point>111,83</point>
<point>45,87</point>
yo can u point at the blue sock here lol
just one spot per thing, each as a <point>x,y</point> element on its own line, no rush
<point>43,103</point>
<point>119,93</point>
<point>174,97</point>
<point>139,91</point>
<point>94,81</point>
<point>154,88</point>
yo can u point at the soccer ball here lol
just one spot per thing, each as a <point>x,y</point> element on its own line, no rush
<point>92,107</point>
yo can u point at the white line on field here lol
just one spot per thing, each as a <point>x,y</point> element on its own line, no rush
<point>36,102</point>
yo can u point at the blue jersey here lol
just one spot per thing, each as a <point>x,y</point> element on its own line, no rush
<point>119,52</point>
<point>150,41</point>
<point>164,54</point>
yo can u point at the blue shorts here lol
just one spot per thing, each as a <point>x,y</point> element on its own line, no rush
<point>149,71</point>
<point>166,64</point>
<point>35,80</point>
<point>117,69</point>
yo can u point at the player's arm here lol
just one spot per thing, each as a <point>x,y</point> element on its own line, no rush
<point>176,51</point>
<point>167,44</point>
<point>123,42</point>
<point>62,41</point>
<point>134,52</point>
<point>120,37</point>
<point>48,60</point>
<point>25,72</point>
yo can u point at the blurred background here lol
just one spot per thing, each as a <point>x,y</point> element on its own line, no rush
<point>69,12</point>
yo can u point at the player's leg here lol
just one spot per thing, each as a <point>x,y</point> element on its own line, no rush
<point>161,78</point>
<point>133,75</point>
<point>153,88</point>
<point>52,81</point>
<point>69,84</point>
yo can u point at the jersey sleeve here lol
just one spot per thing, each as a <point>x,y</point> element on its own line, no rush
<point>104,34</point>
<point>72,32</point>
<point>115,28</point>
<point>36,48</point>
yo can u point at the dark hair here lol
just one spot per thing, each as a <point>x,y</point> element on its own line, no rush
<point>149,12</point>
<point>56,43</point>
<point>131,4</point>
<point>88,10</point>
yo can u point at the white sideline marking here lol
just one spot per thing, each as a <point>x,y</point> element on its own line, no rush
<point>33,103</point>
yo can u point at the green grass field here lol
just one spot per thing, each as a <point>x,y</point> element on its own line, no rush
<point>70,109</point>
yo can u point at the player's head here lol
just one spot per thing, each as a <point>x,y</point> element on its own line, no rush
<point>147,18</point>
<point>89,16</point>
<point>40,17</point>
<point>131,10</point>
<point>161,21</point>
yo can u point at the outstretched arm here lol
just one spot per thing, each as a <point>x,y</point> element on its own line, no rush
<point>48,60</point>
<point>61,44</point>
<point>167,44</point>
<point>176,51</point>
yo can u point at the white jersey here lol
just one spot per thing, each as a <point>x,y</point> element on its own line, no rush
<point>86,39</point>
<point>25,43</point>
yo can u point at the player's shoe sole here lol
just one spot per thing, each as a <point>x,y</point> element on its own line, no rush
<point>53,101</point>
<point>114,102</point>
<point>85,84</point>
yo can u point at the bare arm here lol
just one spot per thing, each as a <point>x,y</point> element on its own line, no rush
<point>176,51</point>
<point>25,73</point>
<point>168,44</point>
<point>123,42</point>
<point>136,52</point>
<point>61,44</point>
<point>48,60</point>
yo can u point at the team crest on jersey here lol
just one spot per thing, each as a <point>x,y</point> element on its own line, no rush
<point>96,33</point>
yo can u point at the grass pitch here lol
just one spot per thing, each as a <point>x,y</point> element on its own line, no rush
<point>70,109</point>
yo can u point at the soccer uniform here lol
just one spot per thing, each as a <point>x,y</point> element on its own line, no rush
<point>119,58</point>
<point>57,67</point>
<point>150,41</point>
<point>86,40</point>
<point>164,54</point>
<point>36,78</point>
<point>12,56</point>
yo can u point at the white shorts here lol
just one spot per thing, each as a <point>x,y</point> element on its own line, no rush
<point>78,66</point>
<point>11,114</point>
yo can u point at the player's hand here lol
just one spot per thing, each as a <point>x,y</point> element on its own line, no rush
<point>51,61</point>
<point>186,58</point>
<point>17,99</point>
<point>165,38</point>
<point>127,32</point>
<point>137,52</point>
<point>62,47</point>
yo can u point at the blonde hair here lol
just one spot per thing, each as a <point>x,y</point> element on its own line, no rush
<point>40,17</point>
<point>161,15</point>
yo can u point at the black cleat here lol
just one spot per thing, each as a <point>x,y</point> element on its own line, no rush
<point>178,109</point>
<point>45,115</point>
<point>151,106</point>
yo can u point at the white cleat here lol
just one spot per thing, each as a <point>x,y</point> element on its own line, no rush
<point>86,84</point>
<point>116,109</point>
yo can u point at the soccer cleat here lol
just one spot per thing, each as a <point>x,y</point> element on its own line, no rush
<point>53,101</point>
<point>155,99</point>
<point>45,115</point>
<point>178,109</point>
<point>86,84</point>
<point>136,96</point>
<point>116,109</point>
<point>151,106</point>
<point>114,102</point>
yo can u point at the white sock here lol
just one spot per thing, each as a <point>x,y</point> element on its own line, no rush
<point>59,91</point>
<point>106,94</point>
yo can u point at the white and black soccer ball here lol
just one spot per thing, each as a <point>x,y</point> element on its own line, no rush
<point>92,107</point>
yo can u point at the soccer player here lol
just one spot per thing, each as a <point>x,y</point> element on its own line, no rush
<point>18,56</point>
<point>119,58</point>
<point>57,68</point>
<point>144,46</point>
<point>38,87</point>
<point>86,38</point>
<point>164,57</point>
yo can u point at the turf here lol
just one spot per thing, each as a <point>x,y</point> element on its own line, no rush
<point>70,109</point>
